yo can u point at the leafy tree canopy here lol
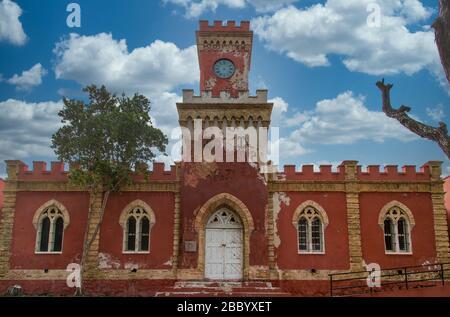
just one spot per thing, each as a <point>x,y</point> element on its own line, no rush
<point>107,139</point>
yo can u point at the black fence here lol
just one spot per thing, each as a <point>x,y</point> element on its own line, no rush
<point>410,277</point>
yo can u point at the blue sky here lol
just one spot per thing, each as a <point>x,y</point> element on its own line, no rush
<point>318,59</point>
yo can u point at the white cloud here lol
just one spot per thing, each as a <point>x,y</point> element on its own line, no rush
<point>436,113</point>
<point>339,27</point>
<point>280,116</point>
<point>10,27</point>
<point>100,59</point>
<point>345,120</point>
<point>195,8</point>
<point>341,120</point>
<point>26,128</point>
<point>154,70</point>
<point>29,78</point>
<point>269,5</point>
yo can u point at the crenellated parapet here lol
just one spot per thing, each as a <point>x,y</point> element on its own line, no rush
<point>224,97</point>
<point>430,171</point>
<point>224,110</point>
<point>306,172</point>
<point>19,171</point>
<point>392,173</point>
<point>220,26</point>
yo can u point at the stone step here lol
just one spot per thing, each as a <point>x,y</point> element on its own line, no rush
<point>189,293</point>
<point>222,288</point>
<point>213,284</point>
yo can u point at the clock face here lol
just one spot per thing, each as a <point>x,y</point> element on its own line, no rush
<point>224,68</point>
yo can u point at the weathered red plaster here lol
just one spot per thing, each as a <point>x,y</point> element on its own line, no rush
<point>336,233</point>
<point>24,234</point>
<point>161,235</point>
<point>422,235</point>
<point>238,179</point>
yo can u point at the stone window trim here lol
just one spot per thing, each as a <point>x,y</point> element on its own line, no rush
<point>37,220</point>
<point>323,217</point>
<point>407,215</point>
<point>202,216</point>
<point>126,214</point>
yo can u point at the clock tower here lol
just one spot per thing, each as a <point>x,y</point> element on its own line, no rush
<point>224,53</point>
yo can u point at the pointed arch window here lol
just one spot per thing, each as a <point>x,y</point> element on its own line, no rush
<point>397,222</point>
<point>137,220</point>
<point>50,222</point>
<point>310,221</point>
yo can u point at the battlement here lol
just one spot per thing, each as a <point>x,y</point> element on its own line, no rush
<point>17,170</point>
<point>206,97</point>
<point>391,172</point>
<point>429,171</point>
<point>229,26</point>
<point>307,173</point>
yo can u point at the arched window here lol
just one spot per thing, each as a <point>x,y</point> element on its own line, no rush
<point>396,223</point>
<point>310,221</point>
<point>50,222</point>
<point>137,225</point>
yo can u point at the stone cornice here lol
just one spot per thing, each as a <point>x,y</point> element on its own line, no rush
<point>154,186</point>
<point>355,186</point>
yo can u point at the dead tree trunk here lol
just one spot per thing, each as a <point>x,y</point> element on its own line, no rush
<point>442,33</point>
<point>438,135</point>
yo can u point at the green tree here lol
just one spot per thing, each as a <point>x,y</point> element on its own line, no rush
<point>107,139</point>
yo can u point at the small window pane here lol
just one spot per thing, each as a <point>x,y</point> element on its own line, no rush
<point>303,234</point>
<point>388,229</point>
<point>131,234</point>
<point>45,234</point>
<point>403,243</point>
<point>316,234</point>
<point>145,229</point>
<point>59,227</point>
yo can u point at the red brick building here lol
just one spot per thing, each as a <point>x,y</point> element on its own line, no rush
<point>221,221</point>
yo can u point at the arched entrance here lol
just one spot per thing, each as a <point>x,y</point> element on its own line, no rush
<point>224,246</point>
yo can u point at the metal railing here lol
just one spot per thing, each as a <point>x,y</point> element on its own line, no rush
<point>408,277</point>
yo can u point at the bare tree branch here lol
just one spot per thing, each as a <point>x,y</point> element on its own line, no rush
<point>442,33</point>
<point>438,135</point>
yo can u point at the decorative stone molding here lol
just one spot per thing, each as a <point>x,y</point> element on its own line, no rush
<point>340,186</point>
<point>316,206</point>
<point>137,203</point>
<point>223,199</point>
<point>399,205</point>
<point>353,216</point>
<point>225,113</point>
<point>48,204</point>
<point>271,233</point>
<point>440,228</point>
<point>42,186</point>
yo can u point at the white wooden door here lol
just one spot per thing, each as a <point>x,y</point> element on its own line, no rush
<point>223,246</point>
<point>223,256</point>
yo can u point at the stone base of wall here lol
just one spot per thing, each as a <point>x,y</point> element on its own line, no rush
<point>149,288</point>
